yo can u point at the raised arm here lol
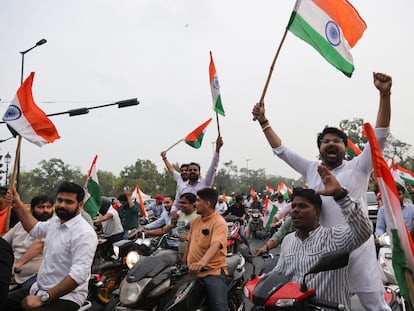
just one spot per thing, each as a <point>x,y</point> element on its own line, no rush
<point>383,83</point>
<point>167,163</point>
<point>271,136</point>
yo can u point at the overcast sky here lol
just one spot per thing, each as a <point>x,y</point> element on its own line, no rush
<point>102,51</point>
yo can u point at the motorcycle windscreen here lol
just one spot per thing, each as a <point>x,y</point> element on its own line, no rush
<point>267,286</point>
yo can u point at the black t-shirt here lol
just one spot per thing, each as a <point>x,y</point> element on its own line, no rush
<point>238,211</point>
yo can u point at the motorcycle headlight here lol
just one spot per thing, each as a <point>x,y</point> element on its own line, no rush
<point>285,302</point>
<point>116,250</point>
<point>132,258</point>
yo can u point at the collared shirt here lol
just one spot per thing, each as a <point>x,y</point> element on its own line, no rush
<point>354,175</point>
<point>160,222</point>
<point>157,209</point>
<point>205,182</point>
<point>407,213</point>
<point>298,256</point>
<point>204,231</point>
<point>69,250</point>
<point>20,240</point>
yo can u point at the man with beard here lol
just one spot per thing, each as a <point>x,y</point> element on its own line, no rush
<point>364,277</point>
<point>26,249</point>
<point>70,244</point>
<point>194,183</point>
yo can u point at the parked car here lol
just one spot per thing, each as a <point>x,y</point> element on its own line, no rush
<point>372,207</point>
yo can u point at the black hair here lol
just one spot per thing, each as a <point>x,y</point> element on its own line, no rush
<point>210,195</point>
<point>3,190</point>
<point>239,198</point>
<point>191,197</point>
<point>105,204</point>
<point>184,165</point>
<point>71,187</point>
<point>400,188</point>
<point>40,199</point>
<point>196,164</point>
<point>122,197</point>
<point>331,130</point>
<point>308,194</point>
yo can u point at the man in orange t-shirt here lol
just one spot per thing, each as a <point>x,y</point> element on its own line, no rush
<point>207,249</point>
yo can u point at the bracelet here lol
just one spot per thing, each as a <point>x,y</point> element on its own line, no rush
<point>265,127</point>
<point>342,195</point>
<point>164,158</point>
<point>263,122</point>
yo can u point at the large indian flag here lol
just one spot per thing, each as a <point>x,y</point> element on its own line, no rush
<point>402,244</point>
<point>332,27</point>
<point>27,119</point>
<point>405,175</point>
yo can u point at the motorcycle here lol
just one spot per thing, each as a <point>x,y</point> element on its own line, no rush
<point>275,291</point>
<point>148,278</point>
<point>233,237</point>
<point>107,273</point>
<point>256,228</point>
<point>189,294</point>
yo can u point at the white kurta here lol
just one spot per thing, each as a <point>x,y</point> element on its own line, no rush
<point>363,269</point>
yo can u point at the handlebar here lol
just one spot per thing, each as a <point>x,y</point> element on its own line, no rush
<point>327,304</point>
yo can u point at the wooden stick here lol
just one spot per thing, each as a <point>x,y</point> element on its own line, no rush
<point>410,285</point>
<point>13,181</point>
<point>218,124</point>
<point>271,69</point>
<point>173,145</point>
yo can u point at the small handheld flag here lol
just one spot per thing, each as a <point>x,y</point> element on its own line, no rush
<point>215,88</point>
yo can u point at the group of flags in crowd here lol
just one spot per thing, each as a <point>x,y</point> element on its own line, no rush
<point>332,27</point>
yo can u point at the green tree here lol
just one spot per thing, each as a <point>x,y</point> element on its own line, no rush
<point>106,180</point>
<point>45,178</point>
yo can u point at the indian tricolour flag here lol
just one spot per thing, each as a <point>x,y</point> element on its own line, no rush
<point>269,213</point>
<point>195,138</point>
<point>405,175</point>
<point>402,244</point>
<point>215,88</point>
<point>284,190</point>
<point>332,27</point>
<point>353,149</point>
<point>137,195</point>
<point>27,119</point>
<point>93,199</point>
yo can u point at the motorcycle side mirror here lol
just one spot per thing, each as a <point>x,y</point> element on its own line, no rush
<point>329,261</point>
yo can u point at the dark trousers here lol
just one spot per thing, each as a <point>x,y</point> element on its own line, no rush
<point>6,263</point>
<point>15,298</point>
<point>216,286</point>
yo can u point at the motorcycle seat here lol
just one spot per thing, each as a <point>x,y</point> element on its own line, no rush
<point>232,263</point>
<point>149,267</point>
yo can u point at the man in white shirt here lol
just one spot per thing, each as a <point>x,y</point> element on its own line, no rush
<point>70,244</point>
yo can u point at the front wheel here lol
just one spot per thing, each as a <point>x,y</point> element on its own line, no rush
<point>236,301</point>
<point>112,304</point>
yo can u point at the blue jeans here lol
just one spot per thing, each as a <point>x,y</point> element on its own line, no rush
<point>243,237</point>
<point>216,286</point>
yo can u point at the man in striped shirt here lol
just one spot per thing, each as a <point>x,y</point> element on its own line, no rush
<point>303,248</point>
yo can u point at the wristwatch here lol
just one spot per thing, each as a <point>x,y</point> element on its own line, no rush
<point>342,195</point>
<point>45,297</point>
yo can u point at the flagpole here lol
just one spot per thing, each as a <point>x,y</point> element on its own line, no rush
<point>218,124</point>
<point>271,69</point>
<point>173,145</point>
<point>13,181</point>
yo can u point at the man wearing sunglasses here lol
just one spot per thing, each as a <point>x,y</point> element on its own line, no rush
<point>364,277</point>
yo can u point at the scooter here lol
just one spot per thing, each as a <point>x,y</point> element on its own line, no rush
<point>392,292</point>
<point>189,294</point>
<point>256,228</point>
<point>275,291</point>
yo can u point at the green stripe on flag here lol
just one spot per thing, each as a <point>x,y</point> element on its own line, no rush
<point>219,106</point>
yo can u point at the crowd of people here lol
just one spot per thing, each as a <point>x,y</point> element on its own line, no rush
<point>53,246</point>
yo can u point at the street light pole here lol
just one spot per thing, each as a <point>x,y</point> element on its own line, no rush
<point>38,43</point>
<point>7,160</point>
